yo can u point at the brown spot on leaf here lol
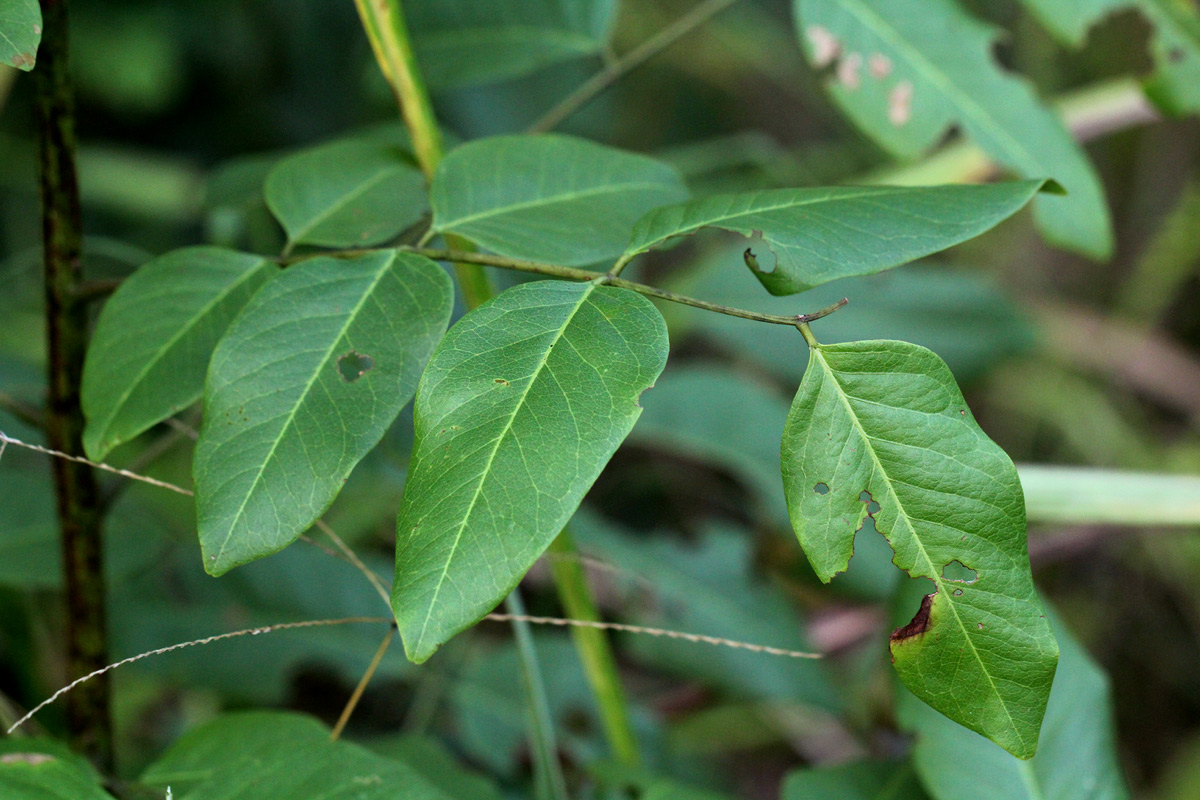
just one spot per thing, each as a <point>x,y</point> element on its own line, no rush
<point>501,380</point>
<point>24,60</point>
<point>900,103</point>
<point>879,65</point>
<point>919,624</point>
<point>824,44</point>
<point>848,71</point>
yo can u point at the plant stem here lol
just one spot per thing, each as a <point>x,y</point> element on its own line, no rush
<point>545,748</point>
<point>78,496</point>
<point>616,69</point>
<point>594,651</point>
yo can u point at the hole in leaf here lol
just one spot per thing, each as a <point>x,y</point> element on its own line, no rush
<point>865,497</point>
<point>959,572</point>
<point>957,593</point>
<point>821,488</point>
<point>354,365</point>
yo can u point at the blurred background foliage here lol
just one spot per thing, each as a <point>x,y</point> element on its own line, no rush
<point>184,106</point>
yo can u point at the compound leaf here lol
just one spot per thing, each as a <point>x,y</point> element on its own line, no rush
<point>346,194</point>
<point>302,386</point>
<point>154,338</point>
<point>20,33</point>
<point>819,235</point>
<point>881,428</point>
<point>548,198</point>
<point>521,407</point>
<point>908,70</point>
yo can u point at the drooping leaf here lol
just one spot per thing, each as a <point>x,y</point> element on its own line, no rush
<point>862,780</point>
<point>463,42</point>
<point>708,587</point>
<point>521,407</point>
<point>1077,758</point>
<point>270,755</point>
<point>346,194</point>
<point>820,235</point>
<point>20,33</point>
<point>1174,45</point>
<point>42,769</point>
<point>907,70</point>
<point>152,344</point>
<point>881,428</point>
<point>305,382</point>
<point>548,198</point>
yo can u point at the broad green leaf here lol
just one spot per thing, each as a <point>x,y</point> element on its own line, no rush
<point>1090,496</point>
<point>820,235</point>
<point>548,198</point>
<point>152,344</point>
<point>346,194</point>
<point>1174,45</point>
<point>463,42</point>
<point>1077,759</point>
<point>881,428</point>
<point>862,780</point>
<point>305,382</point>
<point>519,410</point>
<point>271,755</point>
<point>20,33</point>
<point>41,769</point>
<point>672,790</point>
<point>908,70</point>
<point>708,586</point>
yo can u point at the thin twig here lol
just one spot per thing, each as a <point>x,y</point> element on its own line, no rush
<point>4,437</point>
<point>352,703</point>
<point>616,69</point>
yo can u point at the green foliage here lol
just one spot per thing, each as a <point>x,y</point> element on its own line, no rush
<point>20,32</point>
<point>41,769</point>
<point>152,344</point>
<point>820,235</point>
<point>862,780</point>
<point>1109,497</point>
<point>549,198</point>
<point>907,70</point>
<point>303,384</point>
<point>460,42</point>
<point>881,429</point>
<point>346,194</point>
<point>520,408</point>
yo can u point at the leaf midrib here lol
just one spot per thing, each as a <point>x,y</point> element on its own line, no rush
<point>935,573</point>
<point>458,534</point>
<point>384,268</point>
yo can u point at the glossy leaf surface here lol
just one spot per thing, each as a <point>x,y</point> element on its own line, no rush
<point>20,33</point>
<point>905,71</point>
<point>1174,44</point>
<point>519,410</point>
<point>346,194</point>
<point>269,755</point>
<point>153,341</point>
<point>548,198</point>
<point>305,382</point>
<point>463,42</point>
<point>820,235</point>
<point>1077,759</point>
<point>881,428</point>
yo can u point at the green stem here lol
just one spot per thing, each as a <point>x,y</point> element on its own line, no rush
<point>78,496</point>
<point>614,70</point>
<point>550,775</point>
<point>594,651</point>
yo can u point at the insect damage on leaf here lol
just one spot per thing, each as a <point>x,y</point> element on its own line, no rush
<point>918,626</point>
<point>354,365</point>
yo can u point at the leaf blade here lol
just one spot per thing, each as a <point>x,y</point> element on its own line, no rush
<point>490,404</point>
<point>20,33</point>
<point>884,423</point>
<point>819,235</point>
<point>284,378</point>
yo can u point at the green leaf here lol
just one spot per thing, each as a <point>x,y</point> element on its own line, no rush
<point>862,780</point>
<point>271,755</point>
<point>305,382</point>
<point>1090,496</point>
<point>908,70</point>
<point>152,344</point>
<point>521,407</point>
<point>549,197</point>
<point>881,428</point>
<point>1077,759</point>
<point>42,769</point>
<point>461,43</point>
<point>820,235</point>
<point>1174,46</point>
<point>20,33</point>
<point>346,194</point>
